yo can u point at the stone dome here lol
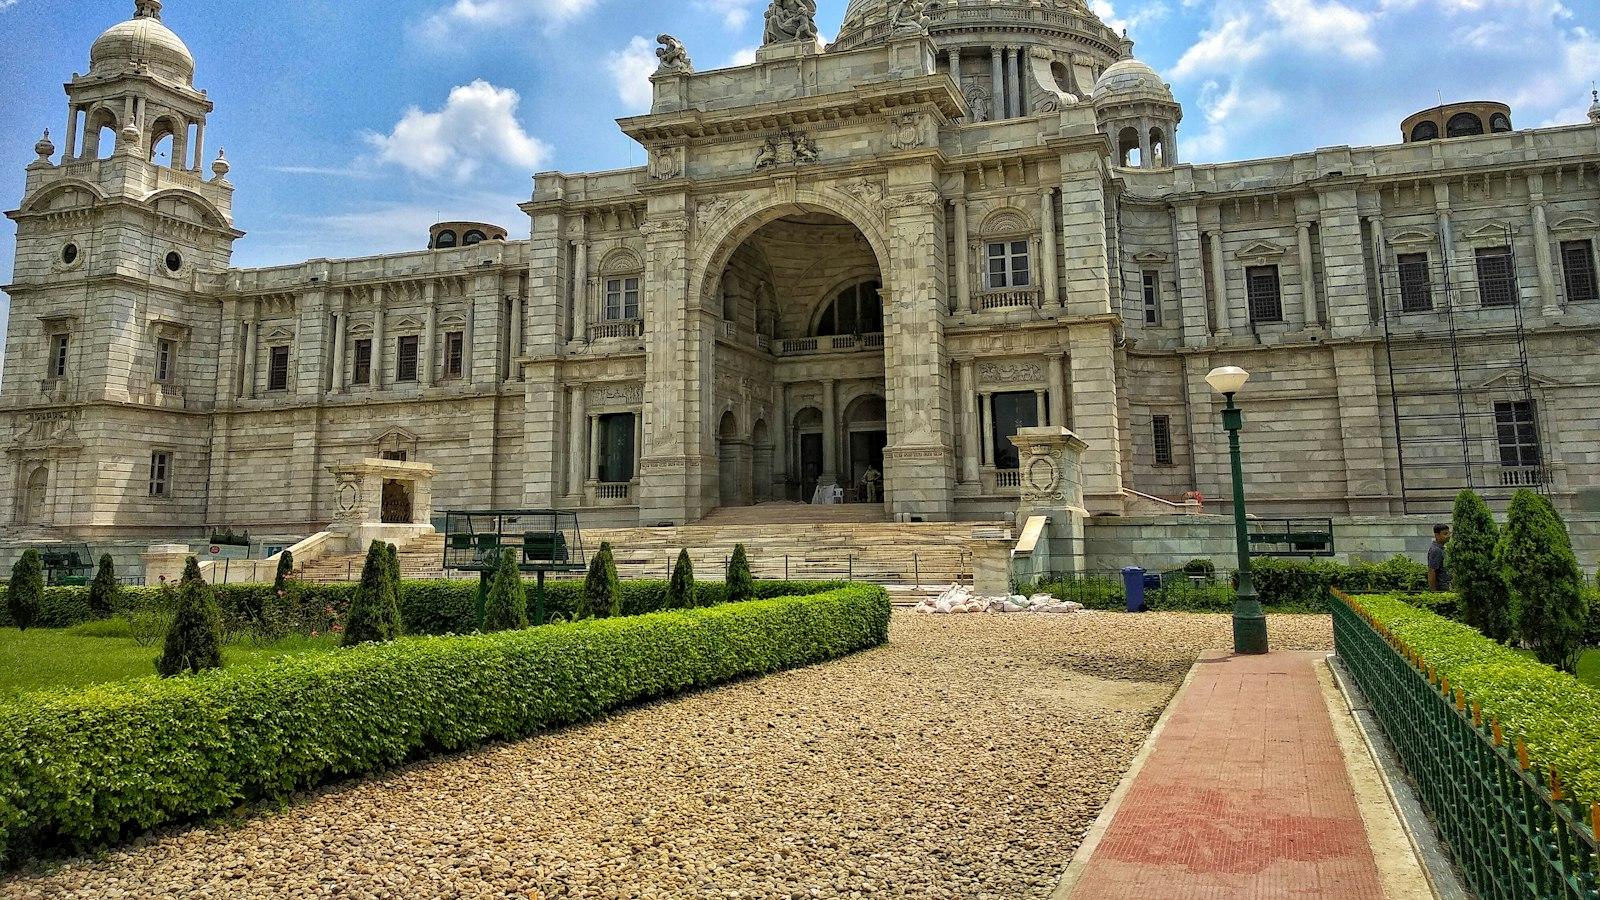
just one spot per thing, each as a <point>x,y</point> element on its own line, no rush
<point>143,41</point>
<point>1129,76</point>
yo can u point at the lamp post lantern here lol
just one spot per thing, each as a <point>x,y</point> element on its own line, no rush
<point>1249,619</point>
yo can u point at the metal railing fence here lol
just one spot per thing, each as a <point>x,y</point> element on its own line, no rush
<point>1513,831</point>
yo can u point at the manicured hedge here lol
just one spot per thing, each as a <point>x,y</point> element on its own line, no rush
<point>1282,585</point>
<point>426,607</point>
<point>85,769</point>
<point>1557,715</point>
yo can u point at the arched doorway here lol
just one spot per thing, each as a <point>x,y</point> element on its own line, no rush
<point>808,450</point>
<point>34,492</point>
<point>733,455</point>
<point>866,428</point>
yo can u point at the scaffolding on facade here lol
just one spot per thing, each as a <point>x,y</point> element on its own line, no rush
<point>1461,393</point>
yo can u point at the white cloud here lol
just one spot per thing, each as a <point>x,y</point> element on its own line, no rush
<point>744,56</point>
<point>735,13</point>
<point>631,68</point>
<point>1146,13</point>
<point>477,126</point>
<point>7,4</point>
<point>445,24</point>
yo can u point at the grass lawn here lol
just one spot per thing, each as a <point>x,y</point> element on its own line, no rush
<point>48,658</point>
<point>1589,668</point>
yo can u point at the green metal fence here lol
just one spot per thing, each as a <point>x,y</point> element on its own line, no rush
<point>1511,829</point>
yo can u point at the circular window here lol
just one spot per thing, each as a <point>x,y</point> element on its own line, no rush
<point>69,254</point>
<point>174,261</point>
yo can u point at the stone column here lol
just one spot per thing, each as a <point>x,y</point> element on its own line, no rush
<point>72,134</point>
<point>251,340</point>
<point>1047,268</point>
<point>997,65</point>
<point>1058,389</point>
<point>580,291</point>
<point>339,322</point>
<point>830,435</point>
<point>1013,83</point>
<point>1549,297</point>
<point>516,331</point>
<point>986,429</point>
<point>780,447</point>
<point>969,423</point>
<point>380,341</point>
<point>1219,284</point>
<point>955,68</point>
<point>962,261</point>
<point>180,149</point>
<point>1308,277</point>
<point>199,146</point>
<point>1145,162</point>
<point>1084,236</point>
<point>594,448</point>
<point>430,335</point>
<point>1040,412</point>
<point>577,444</point>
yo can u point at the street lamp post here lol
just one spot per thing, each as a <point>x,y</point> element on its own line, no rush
<point>1249,619</point>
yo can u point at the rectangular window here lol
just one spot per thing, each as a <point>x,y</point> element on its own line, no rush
<point>164,353</point>
<point>1516,425</point>
<point>1264,293</point>
<point>405,359</point>
<point>1577,265</point>
<point>1497,281</point>
<point>1416,283</point>
<point>160,473</point>
<point>1012,411</point>
<point>1152,298</point>
<point>1008,265</point>
<point>455,347</point>
<point>1161,426</point>
<point>616,448</point>
<point>363,373</point>
<point>58,355</point>
<point>622,299</point>
<point>278,370</point>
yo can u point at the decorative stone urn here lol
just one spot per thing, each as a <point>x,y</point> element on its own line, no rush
<point>382,499</point>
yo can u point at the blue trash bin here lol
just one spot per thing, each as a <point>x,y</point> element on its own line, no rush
<point>1133,588</point>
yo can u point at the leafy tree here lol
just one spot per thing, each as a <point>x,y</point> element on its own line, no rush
<point>104,590</point>
<point>26,589</point>
<point>194,642</point>
<point>1474,574</point>
<point>681,592</point>
<point>285,566</point>
<point>374,610</point>
<point>1536,560</point>
<point>602,589</point>
<point>506,608</point>
<point>741,586</point>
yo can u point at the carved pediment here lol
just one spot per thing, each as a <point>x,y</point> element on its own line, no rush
<point>453,323</point>
<point>1151,257</point>
<point>396,435</point>
<point>621,262</point>
<point>1491,233</point>
<point>1511,380</point>
<point>1005,223</point>
<point>280,334</point>
<point>361,329</point>
<point>1260,250</point>
<point>1576,224</point>
<point>407,323</point>
<point>1412,237</point>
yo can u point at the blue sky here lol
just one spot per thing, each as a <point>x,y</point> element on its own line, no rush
<point>352,125</point>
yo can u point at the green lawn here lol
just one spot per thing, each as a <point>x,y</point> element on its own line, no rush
<point>46,658</point>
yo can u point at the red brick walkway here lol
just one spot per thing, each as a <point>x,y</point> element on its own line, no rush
<point>1244,797</point>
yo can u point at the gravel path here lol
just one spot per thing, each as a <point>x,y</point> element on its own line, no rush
<point>964,760</point>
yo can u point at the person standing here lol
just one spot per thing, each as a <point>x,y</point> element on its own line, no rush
<point>1438,575</point>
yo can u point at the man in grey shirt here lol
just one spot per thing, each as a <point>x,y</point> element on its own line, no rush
<point>1438,575</point>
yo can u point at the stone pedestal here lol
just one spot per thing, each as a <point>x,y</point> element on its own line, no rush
<point>361,517</point>
<point>1052,488</point>
<point>164,563</point>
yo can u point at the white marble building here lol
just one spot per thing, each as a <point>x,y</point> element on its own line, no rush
<point>888,253</point>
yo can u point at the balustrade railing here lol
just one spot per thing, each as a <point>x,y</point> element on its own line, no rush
<point>607,490</point>
<point>1008,299</point>
<point>1008,478</point>
<point>1524,476</point>
<point>838,343</point>
<point>628,329</point>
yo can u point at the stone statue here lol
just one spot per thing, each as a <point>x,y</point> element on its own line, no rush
<point>909,16</point>
<point>978,102</point>
<point>673,55</point>
<point>805,149</point>
<point>791,20</point>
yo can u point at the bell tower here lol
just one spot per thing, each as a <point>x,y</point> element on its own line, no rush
<point>122,246</point>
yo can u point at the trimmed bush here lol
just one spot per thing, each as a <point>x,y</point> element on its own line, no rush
<point>602,589</point>
<point>103,590</point>
<point>740,585</point>
<point>25,589</point>
<point>1557,715</point>
<point>84,769</point>
<point>285,566</point>
<point>1535,559</point>
<point>374,611</point>
<point>681,590</point>
<point>391,562</point>
<point>1282,585</point>
<point>506,608</point>
<point>194,641</point>
<point>1484,604</point>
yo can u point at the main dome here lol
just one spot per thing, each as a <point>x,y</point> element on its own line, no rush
<point>142,40</point>
<point>1068,21</point>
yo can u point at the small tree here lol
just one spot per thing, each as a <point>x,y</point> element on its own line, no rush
<point>285,566</point>
<point>506,608</point>
<point>194,642</point>
<point>1474,575</point>
<point>103,590</point>
<point>1536,560</point>
<point>741,586</point>
<point>26,589</point>
<point>392,560</point>
<point>680,590</point>
<point>374,612</point>
<point>602,590</point>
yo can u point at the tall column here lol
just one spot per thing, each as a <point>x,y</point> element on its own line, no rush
<point>962,261</point>
<point>969,423</point>
<point>580,290</point>
<point>780,447</point>
<point>517,301</point>
<point>199,146</point>
<point>180,149</point>
<point>594,448</point>
<point>830,435</point>
<point>997,65</point>
<point>339,323</point>
<point>380,341</point>
<point>1013,83</point>
<point>251,340</point>
<point>955,68</point>
<point>577,443</point>
<point>1219,284</point>
<point>1058,389</point>
<point>72,134</point>
<point>1040,413</point>
<point>1047,269</point>
<point>1308,277</point>
<point>638,442</point>
<point>430,335</point>
<point>1549,297</point>
<point>986,429</point>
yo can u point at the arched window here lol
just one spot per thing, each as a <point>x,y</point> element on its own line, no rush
<point>1425,131</point>
<point>445,240</point>
<point>163,141</point>
<point>100,134</point>
<point>1158,149</point>
<point>1463,125</point>
<point>857,309</point>
<point>472,237</point>
<point>1063,76</point>
<point>1499,122</point>
<point>1128,148</point>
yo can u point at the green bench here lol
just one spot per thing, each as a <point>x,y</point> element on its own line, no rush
<point>545,547</point>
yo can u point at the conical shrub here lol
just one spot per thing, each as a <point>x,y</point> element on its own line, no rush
<point>506,608</point>
<point>1474,576</point>
<point>741,586</point>
<point>681,593</point>
<point>1535,557</point>
<point>374,610</point>
<point>26,589</point>
<point>602,590</point>
<point>392,561</point>
<point>104,590</point>
<point>194,641</point>
<point>285,566</point>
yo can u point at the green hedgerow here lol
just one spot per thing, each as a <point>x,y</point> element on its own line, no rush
<point>104,589</point>
<point>374,610</point>
<point>506,608</point>
<point>285,566</point>
<point>680,590</point>
<point>602,589</point>
<point>1536,560</point>
<point>25,589</point>
<point>741,586</point>
<point>194,641</point>
<point>1474,575</point>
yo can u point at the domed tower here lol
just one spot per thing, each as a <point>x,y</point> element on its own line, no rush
<point>1011,58</point>
<point>113,339</point>
<point>1137,110</point>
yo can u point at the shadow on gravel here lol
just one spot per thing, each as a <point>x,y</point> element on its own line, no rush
<point>1125,668</point>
